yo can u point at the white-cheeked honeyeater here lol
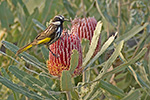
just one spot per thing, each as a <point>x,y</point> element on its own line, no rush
<point>51,34</point>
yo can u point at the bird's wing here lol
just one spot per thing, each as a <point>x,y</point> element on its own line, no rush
<point>46,35</point>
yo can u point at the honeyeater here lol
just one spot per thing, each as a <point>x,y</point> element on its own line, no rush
<point>51,34</point>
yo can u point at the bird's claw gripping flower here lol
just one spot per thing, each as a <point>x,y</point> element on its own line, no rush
<point>63,48</point>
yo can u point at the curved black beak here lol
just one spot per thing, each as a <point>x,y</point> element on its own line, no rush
<point>65,19</point>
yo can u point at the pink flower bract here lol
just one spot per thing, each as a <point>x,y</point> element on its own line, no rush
<point>63,49</point>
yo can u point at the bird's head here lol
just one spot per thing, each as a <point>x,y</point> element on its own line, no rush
<point>58,20</point>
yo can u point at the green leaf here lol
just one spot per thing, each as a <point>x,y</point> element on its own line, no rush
<point>74,61</point>
<point>134,95</point>
<point>126,64</point>
<point>111,89</point>
<point>103,49</point>
<point>85,46</point>
<point>47,81</point>
<point>69,8</point>
<point>24,7</point>
<point>38,24</point>
<point>30,81</point>
<point>93,44</point>
<point>28,31</point>
<point>65,81</point>
<point>45,53</point>
<point>4,73</point>
<point>75,95</point>
<point>93,89</point>
<point>21,16</point>
<point>109,62</point>
<point>6,16</point>
<point>20,89</point>
<point>131,33</point>
<point>28,58</point>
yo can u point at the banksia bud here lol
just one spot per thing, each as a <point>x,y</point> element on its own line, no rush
<point>63,49</point>
<point>85,29</point>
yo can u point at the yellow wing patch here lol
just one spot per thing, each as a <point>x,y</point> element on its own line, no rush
<point>44,40</point>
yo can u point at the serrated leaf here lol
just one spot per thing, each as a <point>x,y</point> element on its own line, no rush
<point>94,42</point>
<point>6,16</point>
<point>65,81</point>
<point>20,89</point>
<point>134,95</point>
<point>28,58</point>
<point>103,49</point>
<point>30,81</point>
<point>38,24</point>
<point>109,62</point>
<point>136,29</point>
<point>111,89</point>
<point>69,8</point>
<point>74,61</point>
<point>45,53</point>
<point>85,46</point>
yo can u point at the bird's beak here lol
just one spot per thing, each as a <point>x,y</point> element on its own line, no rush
<point>66,20</point>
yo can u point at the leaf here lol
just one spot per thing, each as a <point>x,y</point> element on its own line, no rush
<point>47,81</point>
<point>125,65</point>
<point>6,16</point>
<point>103,49</point>
<point>38,24</point>
<point>28,58</point>
<point>131,33</point>
<point>30,80</point>
<point>45,53</point>
<point>93,44</point>
<point>134,95</point>
<point>75,95</point>
<point>24,7</point>
<point>65,81</point>
<point>94,88</point>
<point>28,31</point>
<point>74,61</point>
<point>4,73</point>
<point>112,89</point>
<point>109,62</point>
<point>85,46</point>
<point>21,16</point>
<point>20,89</point>
<point>69,8</point>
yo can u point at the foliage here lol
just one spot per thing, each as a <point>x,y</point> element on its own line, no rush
<point>120,70</point>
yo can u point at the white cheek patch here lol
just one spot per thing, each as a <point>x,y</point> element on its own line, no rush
<point>56,23</point>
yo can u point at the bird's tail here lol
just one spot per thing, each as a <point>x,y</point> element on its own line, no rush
<point>24,48</point>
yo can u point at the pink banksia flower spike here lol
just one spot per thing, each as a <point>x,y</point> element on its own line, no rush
<point>84,28</point>
<point>63,49</point>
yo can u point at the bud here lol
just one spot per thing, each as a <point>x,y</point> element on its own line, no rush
<point>63,49</point>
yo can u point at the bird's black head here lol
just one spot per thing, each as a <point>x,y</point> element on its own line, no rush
<point>58,20</point>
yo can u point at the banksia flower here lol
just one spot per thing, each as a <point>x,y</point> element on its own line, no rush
<point>85,29</point>
<point>63,49</point>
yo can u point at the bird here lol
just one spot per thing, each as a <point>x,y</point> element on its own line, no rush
<point>50,35</point>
